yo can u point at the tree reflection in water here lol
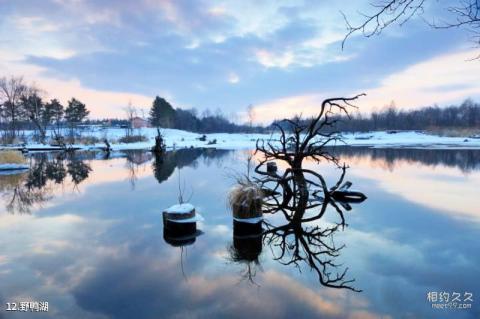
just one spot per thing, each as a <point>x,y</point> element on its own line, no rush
<point>23,191</point>
<point>164,165</point>
<point>301,195</point>
<point>135,159</point>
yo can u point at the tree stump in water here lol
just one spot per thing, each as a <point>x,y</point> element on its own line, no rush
<point>180,224</point>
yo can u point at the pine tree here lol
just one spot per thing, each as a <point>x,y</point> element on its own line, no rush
<point>75,112</point>
<point>53,114</point>
<point>162,113</point>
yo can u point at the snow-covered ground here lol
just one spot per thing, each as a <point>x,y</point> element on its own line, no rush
<point>410,139</point>
<point>183,139</point>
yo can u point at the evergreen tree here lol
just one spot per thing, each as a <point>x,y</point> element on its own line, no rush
<point>75,112</point>
<point>162,113</point>
<point>53,114</point>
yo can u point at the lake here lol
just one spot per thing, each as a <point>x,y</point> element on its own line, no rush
<point>84,233</point>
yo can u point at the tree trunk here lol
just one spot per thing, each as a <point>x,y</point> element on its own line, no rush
<point>302,191</point>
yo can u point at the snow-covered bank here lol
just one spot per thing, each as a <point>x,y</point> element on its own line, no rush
<point>183,139</point>
<point>410,139</point>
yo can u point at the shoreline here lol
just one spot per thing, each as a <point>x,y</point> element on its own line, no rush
<point>177,139</point>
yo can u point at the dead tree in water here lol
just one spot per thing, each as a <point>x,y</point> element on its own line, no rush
<point>303,140</point>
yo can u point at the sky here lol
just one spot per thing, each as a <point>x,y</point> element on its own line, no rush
<point>282,57</point>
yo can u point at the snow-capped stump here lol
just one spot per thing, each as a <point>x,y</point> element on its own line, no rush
<point>179,212</point>
<point>180,222</point>
<point>12,161</point>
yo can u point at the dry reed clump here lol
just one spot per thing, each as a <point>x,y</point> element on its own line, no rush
<point>246,200</point>
<point>11,157</point>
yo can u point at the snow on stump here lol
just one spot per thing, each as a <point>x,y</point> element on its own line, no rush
<point>180,222</point>
<point>12,161</point>
<point>179,212</point>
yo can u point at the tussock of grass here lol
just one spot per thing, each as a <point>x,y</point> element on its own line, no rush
<point>245,200</point>
<point>11,157</point>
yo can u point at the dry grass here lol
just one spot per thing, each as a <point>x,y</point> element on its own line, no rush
<point>246,200</point>
<point>87,140</point>
<point>11,157</point>
<point>133,139</point>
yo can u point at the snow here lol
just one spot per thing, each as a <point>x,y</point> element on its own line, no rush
<point>252,220</point>
<point>175,139</point>
<point>196,218</point>
<point>409,139</point>
<point>12,166</point>
<point>184,208</point>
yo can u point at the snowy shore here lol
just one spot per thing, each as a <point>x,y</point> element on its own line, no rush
<point>183,139</point>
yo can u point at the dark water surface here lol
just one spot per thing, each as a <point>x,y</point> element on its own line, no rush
<point>85,234</point>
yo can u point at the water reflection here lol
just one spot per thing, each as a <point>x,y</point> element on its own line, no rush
<point>164,165</point>
<point>103,254</point>
<point>26,190</point>
<point>246,248</point>
<point>465,160</point>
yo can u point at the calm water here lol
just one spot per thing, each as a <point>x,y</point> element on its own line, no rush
<point>85,234</point>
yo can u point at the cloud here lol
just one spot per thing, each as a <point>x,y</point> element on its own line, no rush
<point>36,24</point>
<point>442,80</point>
<point>101,103</point>
<point>233,78</point>
<point>320,49</point>
<point>288,107</point>
<point>283,53</point>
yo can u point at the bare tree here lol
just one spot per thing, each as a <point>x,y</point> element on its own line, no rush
<point>131,113</point>
<point>302,195</point>
<point>462,13</point>
<point>300,141</point>
<point>34,109</point>
<point>251,115</point>
<point>11,92</point>
<point>313,246</point>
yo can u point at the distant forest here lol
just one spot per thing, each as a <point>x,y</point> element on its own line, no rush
<point>23,107</point>
<point>463,116</point>
<point>163,115</point>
